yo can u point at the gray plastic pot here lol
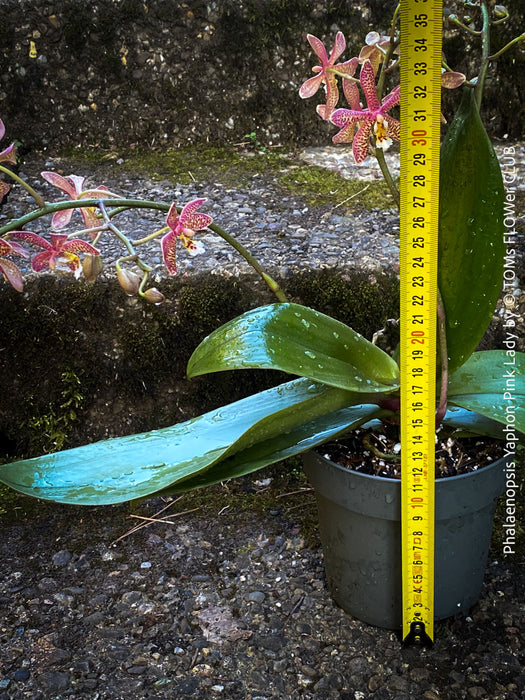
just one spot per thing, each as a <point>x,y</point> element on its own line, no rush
<point>360,529</point>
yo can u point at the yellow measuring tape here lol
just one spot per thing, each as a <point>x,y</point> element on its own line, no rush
<point>421,31</point>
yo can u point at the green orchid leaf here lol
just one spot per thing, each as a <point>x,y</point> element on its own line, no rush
<point>298,440</point>
<point>126,468</point>
<point>301,341</point>
<point>492,383</point>
<point>471,247</point>
<point>493,406</point>
<point>469,424</point>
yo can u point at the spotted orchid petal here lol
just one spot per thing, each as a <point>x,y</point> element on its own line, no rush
<point>325,111</point>
<point>189,218</point>
<point>58,240</point>
<point>391,100</point>
<point>2,129</point>
<point>9,155</point>
<point>12,248</point>
<point>368,83</point>
<point>169,252</point>
<point>361,144</point>
<point>60,182</point>
<point>78,183</point>
<point>394,128</point>
<point>61,218</point>
<point>198,222</point>
<point>332,95</point>
<point>4,189</point>
<point>32,238</point>
<point>346,120</point>
<point>310,86</point>
<point>319,48</point>
<point>91,220</point>
<point>338,48</point>
<point>17,249</point>
<point>172,219</point>
<point>351,92</point>
<point>12,274</point>
<point>76,245</point>
<point>41,261</point>
<point>350,88</point>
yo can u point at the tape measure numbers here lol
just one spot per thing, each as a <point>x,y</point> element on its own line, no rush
<point>421,30</point>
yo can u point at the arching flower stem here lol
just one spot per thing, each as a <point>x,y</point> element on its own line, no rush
<point>121,205</point>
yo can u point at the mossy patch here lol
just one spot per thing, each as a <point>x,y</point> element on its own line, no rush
<point>321,186</point>
<point>228,165</point>
<point>362,300</point>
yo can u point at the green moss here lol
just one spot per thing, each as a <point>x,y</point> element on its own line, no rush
<point>208,306</point>
<point>48,431</point>
<point>190,164</point>
<point>321,186</point>
<point>360,299</point>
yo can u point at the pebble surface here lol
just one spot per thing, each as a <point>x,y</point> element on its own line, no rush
<point>224,599</point>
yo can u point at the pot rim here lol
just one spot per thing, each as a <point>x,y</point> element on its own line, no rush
<point>456,477</point>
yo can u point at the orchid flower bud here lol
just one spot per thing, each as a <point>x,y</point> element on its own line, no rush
<point>92,266</point>
<point>128,280</point>
<point>153,296</point>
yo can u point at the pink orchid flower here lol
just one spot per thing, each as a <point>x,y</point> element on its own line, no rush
<point>183,227</point>
<point>6,156</point>
<point>73,186</point>
<point>9,154</point>
<point>8,269</point>
<point>373,120</point>
<point>327,76</point>
<point>60,250</point>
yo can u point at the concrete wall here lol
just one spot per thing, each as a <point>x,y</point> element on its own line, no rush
<point>162,72</point>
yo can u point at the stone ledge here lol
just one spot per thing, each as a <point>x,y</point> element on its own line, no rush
<point>106,73</point>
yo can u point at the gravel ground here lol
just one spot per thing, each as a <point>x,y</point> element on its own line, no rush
<point>224,596</point>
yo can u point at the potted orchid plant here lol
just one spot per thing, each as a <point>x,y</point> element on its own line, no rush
<point>343,381</point>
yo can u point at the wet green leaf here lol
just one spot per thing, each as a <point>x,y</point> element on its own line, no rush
<point>492,383</point>
<point>301,341</point>
<point>471,247</point>
<point>468,424</point>
<point>282,446</point>
<point>264,427</point>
